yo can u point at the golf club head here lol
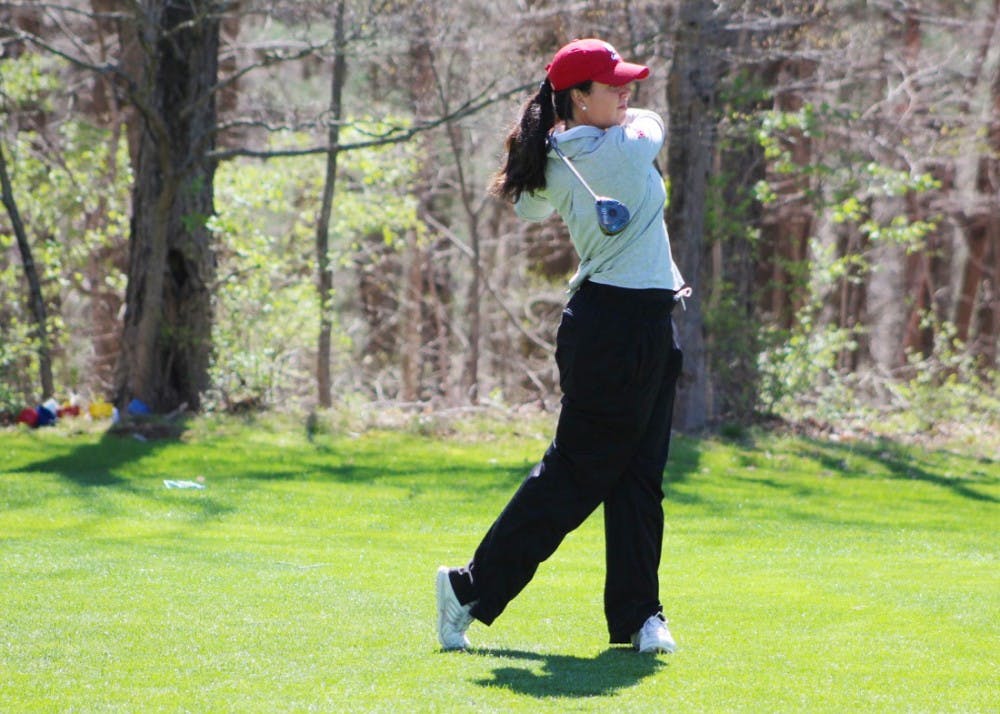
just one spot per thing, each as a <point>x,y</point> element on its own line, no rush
<point>612,216</point>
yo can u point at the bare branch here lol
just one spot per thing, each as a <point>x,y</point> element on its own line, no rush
<point>393,135</point>
<point>467,252</point>
<point>58,7</point>
<point>22,36</point>
<point>270,59</point>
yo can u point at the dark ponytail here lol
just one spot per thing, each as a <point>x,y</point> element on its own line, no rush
<point>524,169</point>
<point>526,144</point>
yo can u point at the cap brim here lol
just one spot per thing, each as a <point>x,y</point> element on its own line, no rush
<point>623,73</point>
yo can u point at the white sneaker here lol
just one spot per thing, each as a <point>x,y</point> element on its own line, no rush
<point>453,618</point>
<point>654,636</point>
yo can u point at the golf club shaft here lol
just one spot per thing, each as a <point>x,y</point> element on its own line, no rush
<point>561,155</point>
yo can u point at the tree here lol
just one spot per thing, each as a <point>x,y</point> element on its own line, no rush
<point>426,325</point>
<point>167,336</point>
<point>323,268</point>
<point>35,298</point>
<point>977,312</point>
<point>693,98</point>
<point>167,68</point>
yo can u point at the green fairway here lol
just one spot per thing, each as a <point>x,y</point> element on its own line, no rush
<point>798,576</point>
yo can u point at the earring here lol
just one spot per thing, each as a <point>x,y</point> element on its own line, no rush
<point>583,107</point>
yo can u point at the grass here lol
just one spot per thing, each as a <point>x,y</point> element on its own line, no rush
<point>798,576</point>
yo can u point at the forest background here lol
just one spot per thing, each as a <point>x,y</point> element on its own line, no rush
<point>241,205</point>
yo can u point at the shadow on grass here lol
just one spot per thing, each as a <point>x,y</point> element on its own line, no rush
<point>905,464</point>
<point>416,462</point>
<point>95,464</point>
<point>612,670</point>
<point>96,469</point>
<point>685,457</point>
<point>399,460</point>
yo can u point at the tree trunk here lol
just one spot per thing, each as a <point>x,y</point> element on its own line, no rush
<point>786,235</point>
<point>427,302</point>
<point>888,314</point>
<point>732,298</point>
<point>35,298</point>
<point>989,311</point>
<point>984,259</point>
<point>977,308</point>
<point>412,295</point>
<point>415,303</point>
<point>323,266</point>
<point>167,336</point>
<point>988,315</point>
<point>692,96</point>
<point>474,293</point>
<point>120,117</point>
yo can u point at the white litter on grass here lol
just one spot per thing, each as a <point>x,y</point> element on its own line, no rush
<point>183,484</point>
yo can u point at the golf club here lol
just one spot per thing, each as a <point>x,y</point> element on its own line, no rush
<point>612,215</point>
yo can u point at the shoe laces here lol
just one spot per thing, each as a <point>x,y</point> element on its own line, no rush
<point>655,625</point>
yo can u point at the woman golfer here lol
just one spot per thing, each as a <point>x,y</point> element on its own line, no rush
<point>616,352</point>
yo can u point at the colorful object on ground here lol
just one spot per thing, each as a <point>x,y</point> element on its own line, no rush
<point>100,409</point>
<point>46,416</point>
<point>28,416</point>
<point>35,417</point>
<point>137,407</point>
<point>50,411</point>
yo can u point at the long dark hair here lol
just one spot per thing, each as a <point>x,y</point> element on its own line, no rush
<point>524,168</point>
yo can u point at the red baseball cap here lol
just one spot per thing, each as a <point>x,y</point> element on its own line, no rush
<point>595,60</point>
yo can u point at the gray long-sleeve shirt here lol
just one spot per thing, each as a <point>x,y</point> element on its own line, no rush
<point>618,163</point>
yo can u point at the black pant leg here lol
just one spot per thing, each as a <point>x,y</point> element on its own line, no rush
<point>546,507</point>
<point>565,487</point>
<point>633,512</point>
<point>604,374</point>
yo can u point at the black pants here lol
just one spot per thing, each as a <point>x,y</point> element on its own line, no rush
<point>618,367</point>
